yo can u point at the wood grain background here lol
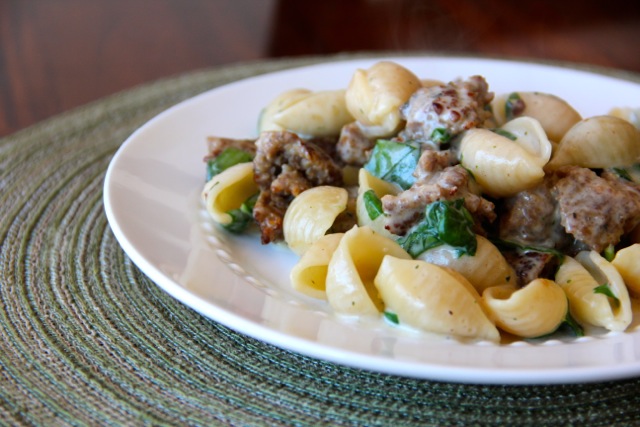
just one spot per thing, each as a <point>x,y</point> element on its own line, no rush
<point>59,54</point>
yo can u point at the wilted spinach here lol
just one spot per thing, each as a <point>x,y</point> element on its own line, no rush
<point>394,162</point>
<point>445,222</point>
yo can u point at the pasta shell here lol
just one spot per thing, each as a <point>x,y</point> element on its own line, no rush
<point>228,190</point>
<point>556,116</point>
<point>380,187</point>
<point>501,167</point>
<point>311,214</point>
<point>309,275</point>
<point>579,279</point>
<point>277,105</point>
<point>353,266</point>
<point>532,311</point>
<point>434,299</point>
<point>598,142</point>
<point>632,115</point>
<point>375,95</point>
<point>530,136</point>
<point>485,269</point>
<point>627,262</point>
<point>315,114</point>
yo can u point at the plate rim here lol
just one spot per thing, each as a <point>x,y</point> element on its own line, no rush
<point>314,349</point>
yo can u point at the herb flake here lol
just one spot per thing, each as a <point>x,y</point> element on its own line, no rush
<point>605,290</point>
<point>392,317</point>
<point>372,204</point>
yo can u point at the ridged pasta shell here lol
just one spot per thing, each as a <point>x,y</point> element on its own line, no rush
<point>485,269</point>
<point>555,114</point>
<point>531,136</point>
<point>434,299</point>
<point>532,311</point>
<point>311,214</point>
<point>598,142</point>
<point>277,105</point>
<point>501,167</point>
<point>309,275</point>
<point>353,266</point>
<point>228,190</point>
<point>580,277</point>
<point>627,262</point>
<point>315,114</point>
<point>375,95</point>
<point>632,115</point>
<point>380,187</point>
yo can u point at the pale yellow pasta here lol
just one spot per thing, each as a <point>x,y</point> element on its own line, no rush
<point>632,115</point>
<point>431,82</point>
<point>311,214</point>
<point>532,311</point>
<point>530,136</point>
<point>309,275</point>
<point>375,95</point>
<point>627,262</point>
<point>353,266</point>
<point>554,114</point>
<point>380,187</point>
<point>485,269</point>
<point>228,190</point>
<point>277,105</point>
<point>579,279</point>
<point>501,167</point>
<point>434,299</point>
<point>598,142</point>
<point>314,114</point>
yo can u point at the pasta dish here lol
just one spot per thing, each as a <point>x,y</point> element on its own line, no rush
<point>441,206</point>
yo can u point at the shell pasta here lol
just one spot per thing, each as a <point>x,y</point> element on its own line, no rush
<point>442,207</point>
<point>432,298</point>
<point>352,269</point>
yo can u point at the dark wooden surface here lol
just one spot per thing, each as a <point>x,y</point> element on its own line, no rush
<point>59,54</point>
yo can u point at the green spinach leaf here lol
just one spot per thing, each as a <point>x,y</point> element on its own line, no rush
<point>242,217</point>
<point>445,222</point>
<point>394,162</point>
<point>230,156</point>
<point>514,106</point>
<point>606,291</point>
<point>373,204</point>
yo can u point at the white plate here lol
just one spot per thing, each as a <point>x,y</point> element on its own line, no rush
<point>152,203</point>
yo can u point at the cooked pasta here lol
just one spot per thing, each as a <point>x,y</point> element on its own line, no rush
<point>501,167</point>
<point>311,214</point>
<point>309,275</point>
<point>352,269</point>
<point>312,114</point>
<point>431,298</point>
<point>627,262</point>
<point>483,270</point>
<point>379,187</point>
<point>554,114</point>
<point>581,278</point>
<point>532,311</point>
<point>374,96</point>
<point>228,190</point>
<point>589,143</point>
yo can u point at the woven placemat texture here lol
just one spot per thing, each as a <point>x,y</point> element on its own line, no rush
<point>87,339</point>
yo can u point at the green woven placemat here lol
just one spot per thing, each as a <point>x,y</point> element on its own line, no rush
<point>87,339</point>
